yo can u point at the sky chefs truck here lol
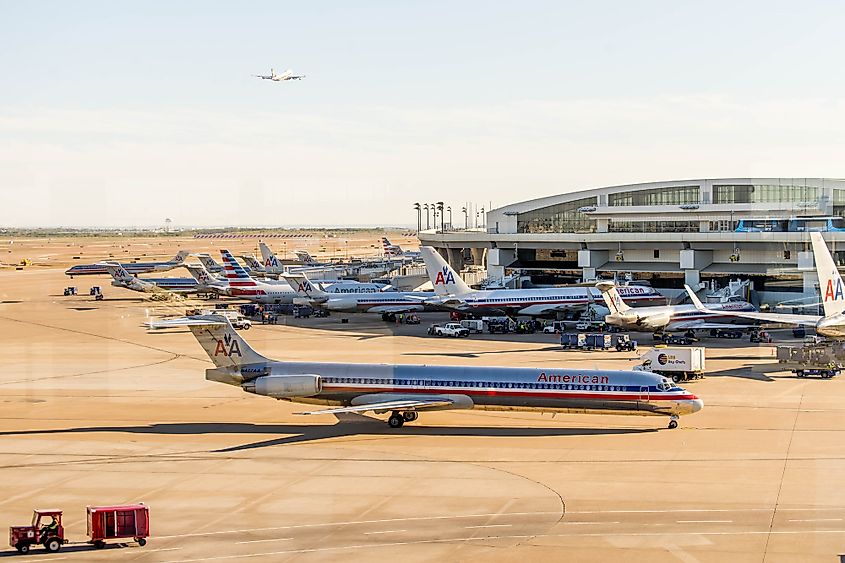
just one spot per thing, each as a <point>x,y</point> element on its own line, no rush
<point>681,364</point>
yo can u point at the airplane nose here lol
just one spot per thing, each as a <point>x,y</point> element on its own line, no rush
<point>697,404</point>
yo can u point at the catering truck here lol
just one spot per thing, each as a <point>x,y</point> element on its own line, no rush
<point>681,364</point>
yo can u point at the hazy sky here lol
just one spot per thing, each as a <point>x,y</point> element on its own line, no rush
<point>119,113</point>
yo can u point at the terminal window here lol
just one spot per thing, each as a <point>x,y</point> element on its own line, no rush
<point>672,195</point>
<point>763,193</point>
<point>560,218</point>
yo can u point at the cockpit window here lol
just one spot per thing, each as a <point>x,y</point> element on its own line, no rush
<point>664,385</point>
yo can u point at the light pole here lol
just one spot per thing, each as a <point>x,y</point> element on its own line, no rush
<point>449,211</point>
<point>466,217</point>
<point>442,218</point>
<point>435,216</point>
<point>483,218</point>
<point>418,209</point>
<point>427,217</point>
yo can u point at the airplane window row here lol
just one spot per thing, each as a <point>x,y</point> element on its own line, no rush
<point>480,384</point>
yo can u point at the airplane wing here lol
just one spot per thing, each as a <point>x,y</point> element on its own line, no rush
<point>395,308</point>
<point>400,404</point>
<point>781,318</point>
<point>702,325</point>
<point>180,322</point>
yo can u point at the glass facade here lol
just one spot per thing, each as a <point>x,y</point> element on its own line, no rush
<point>763,193</point>
<point>673,195</point>
<point>653,226</point>
<point>561,218</point>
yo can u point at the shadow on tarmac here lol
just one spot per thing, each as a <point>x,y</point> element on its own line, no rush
<point>38,550</point>
<point>347,426</point>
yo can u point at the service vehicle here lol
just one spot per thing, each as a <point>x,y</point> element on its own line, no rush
<point>681,364</point>
<point>454,330</point>
<point>624,342</point>
<point>583,324</point>
<point>119,522</point>
<point>475,326</point>
<point>502,325</point>
<point>553,327</point>
<point>583,341</point>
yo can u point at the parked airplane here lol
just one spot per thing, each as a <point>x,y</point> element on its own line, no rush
<point>453,292</point>
<point>405,390</point>
<point>122,278</point>
<point>832,324</point>
<point>210,264</point>
<point>132,267</point>
<point>242,285</point>
<point>207,281</point>
<point>396,250</point>
<point>670,317</point>
<point>384,302</point>
<point>286,75</point>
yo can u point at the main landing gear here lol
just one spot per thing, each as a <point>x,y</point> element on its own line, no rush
<point>397,419</point>
<point>673,422</point>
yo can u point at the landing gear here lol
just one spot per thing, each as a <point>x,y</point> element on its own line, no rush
<point>673,423</point>
<point>410,416</point>
<point>396,420</point>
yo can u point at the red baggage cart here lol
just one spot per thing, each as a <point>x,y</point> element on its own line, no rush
<point>118,522</point>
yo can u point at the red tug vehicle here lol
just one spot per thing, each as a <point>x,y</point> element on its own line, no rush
<point>130,521</point>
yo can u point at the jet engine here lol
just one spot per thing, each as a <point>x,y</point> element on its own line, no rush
<point>341,304</point>
<point>285,386</point>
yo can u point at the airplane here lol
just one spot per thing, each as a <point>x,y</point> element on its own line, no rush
<point>670,317</point>
<point>242,285</point>
<point>207,281</point>
<point>396,250</point>
<point>286,75</point>
<point>384,302</point>
<point>406,390</point>
<point>210,264</point>
<point>132,267</point>
<point>122,278</point>
<point>832,324</point>
<point>452,292</point>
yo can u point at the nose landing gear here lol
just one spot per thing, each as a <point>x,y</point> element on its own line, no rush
<point>673,422</point>
<point>397,419</point>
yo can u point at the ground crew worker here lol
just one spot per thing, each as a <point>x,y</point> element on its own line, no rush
<point>51,529</point>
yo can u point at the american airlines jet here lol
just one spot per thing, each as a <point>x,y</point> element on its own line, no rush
<point>832,324</point>
<point>384,302</point>
<point>207,281</point>
<point>122,278</point>
<point>132,267</point>
<point>391,250</point>
<point>406,390</point>
<point>454,293</point>
<point>242,285</point>
<point>671,317</point>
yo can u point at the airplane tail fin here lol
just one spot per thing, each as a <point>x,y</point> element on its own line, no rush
<point>181,255</point>
<point>612,298</point>
<point>304,256</point>
<point>199,273</point>
<point>303,286</point>
<point>235,273</point>
<point>267,256</point>
<point>253,263</point>
<point>222,343</point>
<point>830,282</point>
<point>444,279</point>
<point>695,300</point>
<point>118,272</point>
<point>208,262</point>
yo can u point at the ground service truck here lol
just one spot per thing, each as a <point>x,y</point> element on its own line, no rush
<point>681,364</point>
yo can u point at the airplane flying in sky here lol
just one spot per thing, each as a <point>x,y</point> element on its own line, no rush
<point>122,278</point>
<point>670,317</point>
<point>406,390</point>
<point>454,293</point>
<point>131,267</point>
<point>384,302</point>
<point>832,324</point>
<point>286,75</point>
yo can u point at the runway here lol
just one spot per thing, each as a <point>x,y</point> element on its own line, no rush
<point>96,410</point>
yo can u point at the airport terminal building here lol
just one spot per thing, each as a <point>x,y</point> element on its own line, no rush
<point>670,233</point>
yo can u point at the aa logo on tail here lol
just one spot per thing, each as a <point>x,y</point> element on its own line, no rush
<point>833,293</point>
<point>271,262</point>
<point>304,287</point>
<point>444,276</point>
<point>228,346</point>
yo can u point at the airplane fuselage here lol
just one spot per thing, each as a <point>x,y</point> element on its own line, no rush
<point>670,316</point>
<point>487,388</point>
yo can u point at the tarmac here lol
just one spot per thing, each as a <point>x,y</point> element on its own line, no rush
<point>96,410</point>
